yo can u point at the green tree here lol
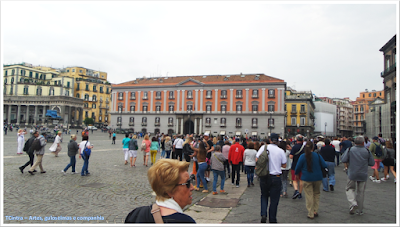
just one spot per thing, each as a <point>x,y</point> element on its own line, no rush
<point>88,121</point>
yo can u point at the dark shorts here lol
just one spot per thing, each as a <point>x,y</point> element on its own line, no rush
<point>388,162</point>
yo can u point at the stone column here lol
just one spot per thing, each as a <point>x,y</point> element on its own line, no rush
<point>247,100</point>
<point>18,113</point>
<point>201,100</point>
<point>165,102</point>
<point>27,114</point>
<point>195,126</point>
<point>216,101</point>
<point>9,114</point>
<point>44,113</point>
<point>201,126</point>
<point>177,99</point>
<point>183,101</point>
<point>181,126</point>
<point>35,115</point>
<point>139,107</point>
<point>126,102</point>
<point>263,100</point>
<point>69,115</point>
<point>151,101</point>
<point>176,126</point>
<point>80,116</point>
<point>231,108</point>
<point>196,101</point>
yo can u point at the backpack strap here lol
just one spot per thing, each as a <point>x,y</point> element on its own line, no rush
<point>300,150</point>
<point>155,211</point>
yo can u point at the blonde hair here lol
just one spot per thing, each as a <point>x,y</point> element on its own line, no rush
<point>188,140</point>
<point>215,140</point>
<point>146,137</point>
<point>134,136</point>
<point>20,130</point>
<point>164,175</point>
<point>167,139</point>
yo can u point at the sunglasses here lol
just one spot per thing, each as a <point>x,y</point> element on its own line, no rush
<point>187,183</point>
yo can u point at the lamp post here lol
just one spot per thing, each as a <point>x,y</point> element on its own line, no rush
<point>270,122</point>
<point>325,128</point>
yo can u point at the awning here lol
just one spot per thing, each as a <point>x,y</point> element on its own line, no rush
<point>209,132</point>
<point>222,133</point>
<point>238,133</point>
<point>253,133</point>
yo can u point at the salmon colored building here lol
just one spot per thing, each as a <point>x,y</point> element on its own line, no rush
<point>219,104</point>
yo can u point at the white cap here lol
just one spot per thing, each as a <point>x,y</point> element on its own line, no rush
<point>206,134</point>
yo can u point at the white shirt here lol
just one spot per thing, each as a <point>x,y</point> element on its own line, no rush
<point>288,161</point>
<point>178,143</point>
<point>277,158</point>
<point>336,144</point>
<point>82,145</point>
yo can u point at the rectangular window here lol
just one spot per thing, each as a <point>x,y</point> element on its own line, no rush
<point>294,109</point>
<point>238,108</point>
<point>302,121</point>
<point>255,93</point>
<point>68,84</point>
<point>223,94</point>
<point>293,121</point>
<point>171,95</point>
<point>158,95</point>
<point>223,108</point>
<point>223,121</point>
<point>271,122</point>
<point>158,109</point>
<point>132,108</point>
<point>271,93</point>
<point>145,95</point>
<point>208,108</point>
<point>133,95</point>
<point>271,108</point>
<point>87,87</point>
<point>209,94</point>
<point>144,109</point>
<point>120,95</point>
<point>189,107</point>
<point>238,122</point>
<point>171,108</point>
<point>254,122</point>
<point>254,108</point>
<point>302,109</point>
<point>239,94</point>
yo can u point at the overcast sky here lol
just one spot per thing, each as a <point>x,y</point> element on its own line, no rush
<point>330,49</point>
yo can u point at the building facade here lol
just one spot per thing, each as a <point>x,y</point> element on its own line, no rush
<point>378,119</point>
<point>231,105</point>
<point>93,88</point>
<point>30,91</point>
<point>325,118</point>
<point>344,116</point>
<point>299,107</point>
<point>389,81</point>
<point>361,107</point>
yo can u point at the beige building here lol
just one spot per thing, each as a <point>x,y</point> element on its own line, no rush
<point>91,86</point>
<point>344,116</point>
<point>29,91</point>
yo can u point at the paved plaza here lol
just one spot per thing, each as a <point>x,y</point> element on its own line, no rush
<point>113,189</point>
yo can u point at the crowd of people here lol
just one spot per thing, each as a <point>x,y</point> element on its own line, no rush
<point>303,163</point>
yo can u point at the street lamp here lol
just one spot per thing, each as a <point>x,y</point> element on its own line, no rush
<point>190,113</point>
<point>325,128</point>
<point>270,121</point>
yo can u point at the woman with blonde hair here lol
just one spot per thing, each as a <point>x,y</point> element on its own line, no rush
<point>56,147</point>
<point>169,179</point>
<point>168,146</point>
<point>146,151</point>
<point>187,150</point>
<point>20,140</point>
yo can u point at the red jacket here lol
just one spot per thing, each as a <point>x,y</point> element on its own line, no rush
<point>236,154</point>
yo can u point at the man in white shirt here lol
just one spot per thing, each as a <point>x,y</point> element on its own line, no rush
<point>335,142</point>
<point>178,147</point>
<point>271,184</point>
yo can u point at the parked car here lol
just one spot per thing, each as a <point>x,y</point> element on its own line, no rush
<point>120,131</point>
<point>92,128</point>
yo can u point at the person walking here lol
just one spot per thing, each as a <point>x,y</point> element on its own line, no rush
<point>85,144</point>
<point>30,151</point>
<point>178,146</point>
<point>377,152</point>
<point>20,140</point>
<point>249,160</point>
<point>389,161</point>
<point>285,170</point>
<point>114,137</point>
<point>271,184</point>
<point>146,151</point>
<point>328,153</point>
<point>133,147</point>
<point>297,151</point>
<point>187,149</point>
<point>73,149</point>
<point>163,146</point>
<point>154,148</point>
<point>358,159</point>
<point>235,157</point>
<point>168,146</point>
<point>310,164</point>
<point>39,155</point>
<point>217,167</point>
<point>225,152</point>
<point>201,159</point>
<point>125,147</point>
<point>56,146</point>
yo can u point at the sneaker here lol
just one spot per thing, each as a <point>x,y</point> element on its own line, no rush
<point>74,172</point>
<point>233,183</point>
<point>207,179</point>
<point>387,176</point>
<point>205,191</point>
<point>215,193</point>
<point>263,219</point>
<point>300,196</point>
<point>353,208</point>
<point>377,181</point>
<point>43,172</point>
<point>196,188</point>
<point>222,191</point>
<point>359,212</point>
<point>331,187</point>
<point>383,179</point>
<point>35,171</point>
<point>237,185</point>
<point>31,172</point>
<point>295,195</point>
<point>372,178</point>
<point>62,171</point>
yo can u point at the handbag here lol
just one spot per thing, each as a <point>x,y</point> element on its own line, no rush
<point>323,170</point>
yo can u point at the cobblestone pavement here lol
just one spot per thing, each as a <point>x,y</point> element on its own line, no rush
<point>110,192</point>
<point>379,205</point>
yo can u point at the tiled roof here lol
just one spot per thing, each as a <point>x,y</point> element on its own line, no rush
<point>206,79</point>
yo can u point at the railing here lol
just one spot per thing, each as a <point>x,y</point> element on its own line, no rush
<point>144,98</point>
<point>208,125</point>
<point>144,123</point>
<point>239,96</point>
<point>158,97</point>
<point>133,97</point>
<point>254,96</point>
<point>223,96</point>
<point>222,125</point>
<point>273,126</point>
<point>119,123</point>
<point>389,69</point>
<point>254,126</point>
<point>271,95</point>
<point>208,97</point>
<point>293,112</point>
<point>171,97</point>
<point>157,124</point>
<point>189,97</point>
<point>238,126</point>
<point>170,124</point>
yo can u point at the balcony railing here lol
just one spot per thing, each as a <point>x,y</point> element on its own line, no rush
<point>254,96</point>
<point>293,112</point>
<point>131,123</point>
<point>238,111</point>
<point>238,126</point>
<point>119,123</point>
<point>389,69</point>
<point>239,96</point>
<point>222,125</point>
<point>144,98</point>
<point>171,111</point>
<point>208,97</point>
<point>223,96</point>
<point>255,111</point>
<point>271,95</point>
<point>171,97</point>
<point>120,98</point>
<point>144,123</point>
<point>133,97</point>
<point>158,97</point>
<point>208,124</point>
<point>302,112</point>
<point>254,126</point>
<point>189,97</point>
<point>170,124</point>
<point>273,126</point>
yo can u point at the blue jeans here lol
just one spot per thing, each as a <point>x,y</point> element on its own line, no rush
<point>222,175</point>
<point>337,158</point>
<point>162,153</point>
<point>284,177</point>
<point>250,174</point>
<point>200,175</point>
<point>331,176</point>
<point>72,163</point>
<point>168,154</point>
<point>85,165</point>
<point>270,189</point>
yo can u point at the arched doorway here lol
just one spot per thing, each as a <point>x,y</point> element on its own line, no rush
<point>156,131</point>
<point>189,127</point>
